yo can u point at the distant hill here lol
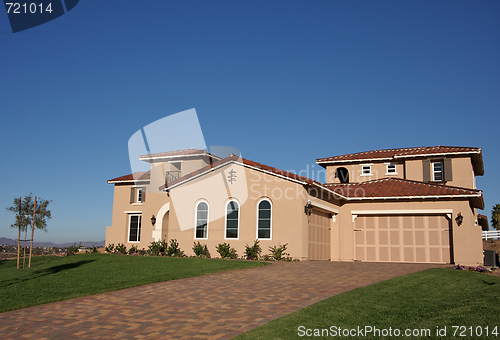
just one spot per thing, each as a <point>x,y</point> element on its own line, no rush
<point>4,240</point>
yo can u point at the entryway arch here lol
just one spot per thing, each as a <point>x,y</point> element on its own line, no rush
<point>158,231</point>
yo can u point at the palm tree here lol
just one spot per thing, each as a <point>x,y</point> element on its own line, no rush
<point>495,217</point>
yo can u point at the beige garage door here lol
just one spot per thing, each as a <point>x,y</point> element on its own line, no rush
<point>319,235</point>
<point>406,238</point>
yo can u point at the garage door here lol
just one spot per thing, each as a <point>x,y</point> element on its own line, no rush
<point>405,238</point>
<point>319,235</point>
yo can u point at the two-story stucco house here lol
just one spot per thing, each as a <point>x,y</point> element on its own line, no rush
<point>398,205</point>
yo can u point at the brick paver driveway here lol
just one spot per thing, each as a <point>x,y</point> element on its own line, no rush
<point>214,306</point>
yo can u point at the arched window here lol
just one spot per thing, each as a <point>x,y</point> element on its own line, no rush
<point>232,219</point>
<point>264,220</point>
<point>201,220</point>
<point>342,174</point>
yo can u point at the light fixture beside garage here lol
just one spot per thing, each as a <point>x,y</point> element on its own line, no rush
<point>459,219</point>
<point>308,208</point>
<point>153,220</point>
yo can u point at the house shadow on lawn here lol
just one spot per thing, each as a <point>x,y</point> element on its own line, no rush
<point>44,272</point>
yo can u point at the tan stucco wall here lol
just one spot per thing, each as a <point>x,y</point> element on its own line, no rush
<point>288,219</point>
<point>379,170</point>
<point>467,241</point>
<point>289,222</point>
<point>414,170</point>
<point>463,173</point>
<point>118,231</point>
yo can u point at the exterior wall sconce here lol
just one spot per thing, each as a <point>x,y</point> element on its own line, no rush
<point>308,208</point>
<point>153,220</point>
<point>459,219</point>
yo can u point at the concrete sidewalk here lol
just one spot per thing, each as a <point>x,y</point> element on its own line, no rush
<point>214,306</point>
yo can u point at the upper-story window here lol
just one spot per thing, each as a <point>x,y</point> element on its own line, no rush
<point>137,195</point>
<point>232,219</point>
<point>390,169</point>
<point>342,174</point>
<point>201,221</point>
<point>366,169</point>
<point>437,171</point>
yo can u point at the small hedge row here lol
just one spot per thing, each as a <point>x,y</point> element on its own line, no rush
<point>171,249</point>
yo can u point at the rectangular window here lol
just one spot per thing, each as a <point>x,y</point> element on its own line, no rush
<point>437,171</point>
<point>391,169</point>
<point>366,169</point>
<point>134,228</point>
<point>139,195</point>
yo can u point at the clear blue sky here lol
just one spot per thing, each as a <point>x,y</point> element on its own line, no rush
<point>285,82</point>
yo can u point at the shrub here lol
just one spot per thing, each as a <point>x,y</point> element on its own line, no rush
<point>267,258</point>
<point>121,248</point>
<point>158,248</point>
<point>73,249</point>
<point>174,250</point>
<point>94,249</point>
<point>110,248</point>
<point>225,251</point>
<point>278,252</point>
<point>132,250</point>
<point>142,252</point>
<point>201,250</point>
<point>253,252</point>
<point>479,269</point>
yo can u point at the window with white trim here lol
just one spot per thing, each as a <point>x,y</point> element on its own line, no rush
<point>134,228</point>
<point>232,219</point>
<point>264,220</point>
<point>437,171</point>
<point>139,195</point>
<point>366,169</point>
<point>390,169</point>
<point>201,230</point>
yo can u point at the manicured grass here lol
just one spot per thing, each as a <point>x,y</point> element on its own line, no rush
<point>424,300</point>
<point>53,278</point>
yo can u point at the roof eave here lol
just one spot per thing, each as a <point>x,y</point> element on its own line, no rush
<point>129,181</point>
<point>435,154</point>
<point>353,160</point>
<point>149,159</point>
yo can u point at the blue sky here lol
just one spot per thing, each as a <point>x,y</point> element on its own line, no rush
<point>285,82</point>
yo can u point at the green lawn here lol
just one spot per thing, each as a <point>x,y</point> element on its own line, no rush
<point>424,300</point>
<point>53,278</point>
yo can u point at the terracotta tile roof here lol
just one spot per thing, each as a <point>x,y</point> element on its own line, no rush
<point>397,188</point>
<point>388,154</point>
<point>177,153</point>
<point>482,220</point>
<point>139,176</point>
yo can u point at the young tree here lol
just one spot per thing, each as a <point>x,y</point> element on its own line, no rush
<point>27,204</point>
<point>24,214</point>
<point>495,217</point>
